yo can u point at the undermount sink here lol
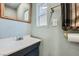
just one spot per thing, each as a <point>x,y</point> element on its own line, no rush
<point>10,45</point>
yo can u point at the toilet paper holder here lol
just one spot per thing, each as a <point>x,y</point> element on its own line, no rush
<point>72,37</point>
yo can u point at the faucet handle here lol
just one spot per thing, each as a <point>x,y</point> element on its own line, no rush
<point>19,38</point>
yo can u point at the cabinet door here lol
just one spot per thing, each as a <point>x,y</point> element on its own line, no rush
<point>34,52</point>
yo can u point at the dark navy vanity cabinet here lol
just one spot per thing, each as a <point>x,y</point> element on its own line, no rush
<point>32,50</point>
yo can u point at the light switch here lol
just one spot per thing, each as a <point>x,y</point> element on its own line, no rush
<point>54,22</point>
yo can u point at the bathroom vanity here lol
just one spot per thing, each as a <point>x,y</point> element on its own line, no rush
<point>28,46</point>
<point>32,50</point>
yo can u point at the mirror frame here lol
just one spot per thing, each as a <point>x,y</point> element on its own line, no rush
<point>2,10</point>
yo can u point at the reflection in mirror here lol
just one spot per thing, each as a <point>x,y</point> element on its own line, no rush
<point>16,11</point>
<point>11,10</point>
<point>26,15</point>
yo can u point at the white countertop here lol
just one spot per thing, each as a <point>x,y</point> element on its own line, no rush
<point>10,45</point>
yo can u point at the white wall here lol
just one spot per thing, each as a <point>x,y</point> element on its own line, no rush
<point>10,28</point>
<point>53,40</point>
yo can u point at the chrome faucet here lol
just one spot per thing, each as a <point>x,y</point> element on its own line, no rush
<point>19,38</point>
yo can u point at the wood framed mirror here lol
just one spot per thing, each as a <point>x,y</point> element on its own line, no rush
<point>70,17</point>
<point>16,11</point>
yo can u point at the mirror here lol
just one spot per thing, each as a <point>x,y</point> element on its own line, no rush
<point>70,17</point>
<point>16,11</point>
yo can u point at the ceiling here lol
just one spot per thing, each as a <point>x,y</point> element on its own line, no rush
<point>12,5</point>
